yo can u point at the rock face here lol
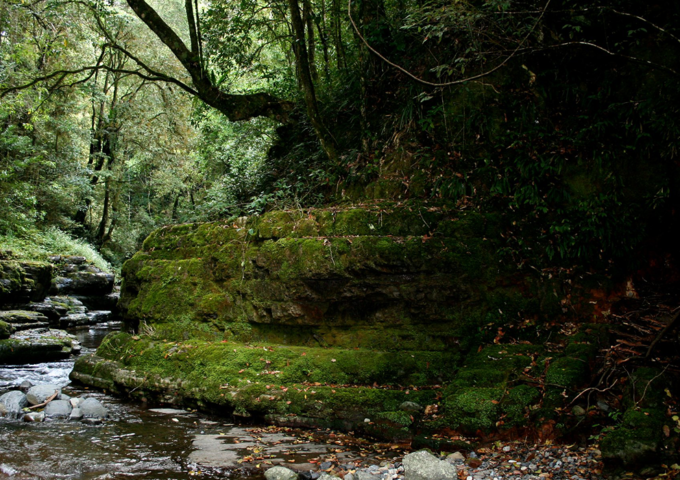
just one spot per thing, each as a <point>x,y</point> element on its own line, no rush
<point>22,282</point>
<point>40,345</point>
<point>77,277</point>
<point>423,465</point>
<point>23,319</point>
<point>356,278</point>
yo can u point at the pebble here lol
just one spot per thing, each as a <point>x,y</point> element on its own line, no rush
<point>512,461</point>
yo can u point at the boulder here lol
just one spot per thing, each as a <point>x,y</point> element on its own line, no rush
<point>25,386</point>
<point>24,319</point>
<point>92,408</point>
<point>14,402</point>
<point>280,473</point>
<point>76,414</point>
<point>58,409</point>
<point>83,283</point>
<point>40,393</point>
<point>422,465</point>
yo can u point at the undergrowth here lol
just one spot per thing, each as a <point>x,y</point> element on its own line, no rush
<point>38,245</point>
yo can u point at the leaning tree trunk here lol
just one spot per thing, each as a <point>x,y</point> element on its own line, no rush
<point>301,56</point>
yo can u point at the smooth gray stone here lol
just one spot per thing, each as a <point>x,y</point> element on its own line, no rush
<point>280,473</point>
<point>422,465</point>
<point>40,393</point>
<point>92,408</point>
<point>75,402</point>
<point>76,414</point>
<point>25,386</point>
<point>14,402</point>
<point>58,409</point>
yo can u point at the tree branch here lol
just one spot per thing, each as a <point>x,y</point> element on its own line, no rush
<point>455,82</point>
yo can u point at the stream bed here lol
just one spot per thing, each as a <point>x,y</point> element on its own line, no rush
<point>136,442</point>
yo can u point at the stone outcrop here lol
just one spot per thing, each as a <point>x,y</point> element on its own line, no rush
<point>75,276</point>
<point>38,345</point>
<point>22,282</point>
<point>409,279</point>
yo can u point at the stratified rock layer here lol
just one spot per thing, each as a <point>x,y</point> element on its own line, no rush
<point>411,279</point>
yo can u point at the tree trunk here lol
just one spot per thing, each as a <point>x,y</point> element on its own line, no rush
<point>327,141</point>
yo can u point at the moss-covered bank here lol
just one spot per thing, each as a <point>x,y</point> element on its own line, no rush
<point>390,319</point>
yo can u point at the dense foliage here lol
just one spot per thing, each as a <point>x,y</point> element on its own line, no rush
<point>562,115</point>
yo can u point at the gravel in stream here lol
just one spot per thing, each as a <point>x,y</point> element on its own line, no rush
<point>512,461</point>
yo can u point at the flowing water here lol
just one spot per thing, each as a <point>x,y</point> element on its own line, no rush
<point>132,443</point>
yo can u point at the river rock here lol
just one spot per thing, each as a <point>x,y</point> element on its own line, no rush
<point>422,465</point>
<point>3,410</point>
<point>326,476</point>
<point>456,457</point>
<point>76,414</point>
<point>58,409</point>
<point>75,402</point>
<point>34,417</point>
<point>92,408</point>
<point>15,402</point>
<point>25,386</point>
<point>40,393</point>
<point>280,473</point>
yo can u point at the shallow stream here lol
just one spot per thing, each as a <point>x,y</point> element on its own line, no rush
<point>132,443</point>
<point>159,444</point>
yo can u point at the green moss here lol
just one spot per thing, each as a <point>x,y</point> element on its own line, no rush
<point>474,409</point>
<point>567,372</point>
<point>5,330</point>
<point>517,402</point>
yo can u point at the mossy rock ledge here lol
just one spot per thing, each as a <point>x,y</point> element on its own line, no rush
<point>336,317</point>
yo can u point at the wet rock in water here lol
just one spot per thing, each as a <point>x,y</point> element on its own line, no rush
<point>40,393</point>
<point>74,320</point>
<point>37,346</point>
<point>93,409</point>
<point>280,473</point>
<point>24,319</point>
<point>3,410</point>
<point>58,409</point>
<point>25,386</point>
<point>34,417</point>
<point>75,402</point>
<point>14,402</point>
<point>6,330</point>
<point>423,465</point>
<point>76,414</point>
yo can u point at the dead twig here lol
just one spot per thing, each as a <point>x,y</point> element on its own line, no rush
<point>49,399</point>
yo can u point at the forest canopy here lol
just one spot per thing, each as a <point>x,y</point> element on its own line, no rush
<point>118,117</point>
